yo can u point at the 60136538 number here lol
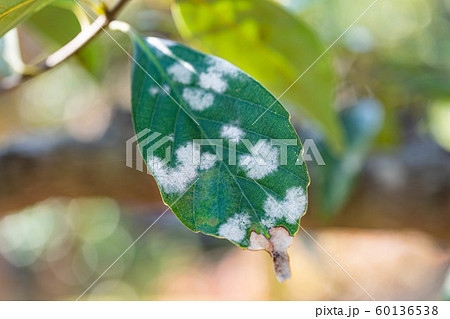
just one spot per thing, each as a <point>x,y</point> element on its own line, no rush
<point>404,310</point>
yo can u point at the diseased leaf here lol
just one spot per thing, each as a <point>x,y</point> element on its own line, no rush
<point>256,205</point>
<point>12,12</point>
<point>272,45</point>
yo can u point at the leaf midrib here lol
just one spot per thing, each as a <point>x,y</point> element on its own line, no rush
<point>17,6</point>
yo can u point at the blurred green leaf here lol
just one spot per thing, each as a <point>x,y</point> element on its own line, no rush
<point>336,178</point>
<point>272,45</point>
<point>439,122</point>
<point>12,12</point>
<point>213,195</point>
<point>57,25</point>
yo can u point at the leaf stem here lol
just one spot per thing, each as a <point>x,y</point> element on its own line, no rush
<point>70,49</point>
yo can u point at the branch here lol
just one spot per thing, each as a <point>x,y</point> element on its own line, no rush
<point>407,188</point>
<point>41,166</point>
<point>70,49</point>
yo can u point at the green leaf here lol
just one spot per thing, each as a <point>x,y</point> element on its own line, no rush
<point>272,45</point>
<point>57,25</point>
<point>255,205</point>
<point>12,12</point>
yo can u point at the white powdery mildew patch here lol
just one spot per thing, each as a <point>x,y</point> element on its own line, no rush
<point>198,99</point>
<point>263,160</point>
<point>207,160</point>
<point>291,207</point>
<point>214,77</point>
<point>163,46</point>
<point>176,179</point>
<point>180,73</point>
<point>232,132</point>
<point>235,228</point>
<point>153,90</point>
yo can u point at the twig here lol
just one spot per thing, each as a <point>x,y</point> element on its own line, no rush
<point>68,50</point>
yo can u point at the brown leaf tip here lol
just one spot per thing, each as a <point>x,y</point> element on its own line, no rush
<point>276,246</point>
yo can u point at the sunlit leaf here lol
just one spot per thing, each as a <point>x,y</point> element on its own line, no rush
<point>273,46</point>
<point>12,12</point>
<point>57,25</point>
<point>245,201</point>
